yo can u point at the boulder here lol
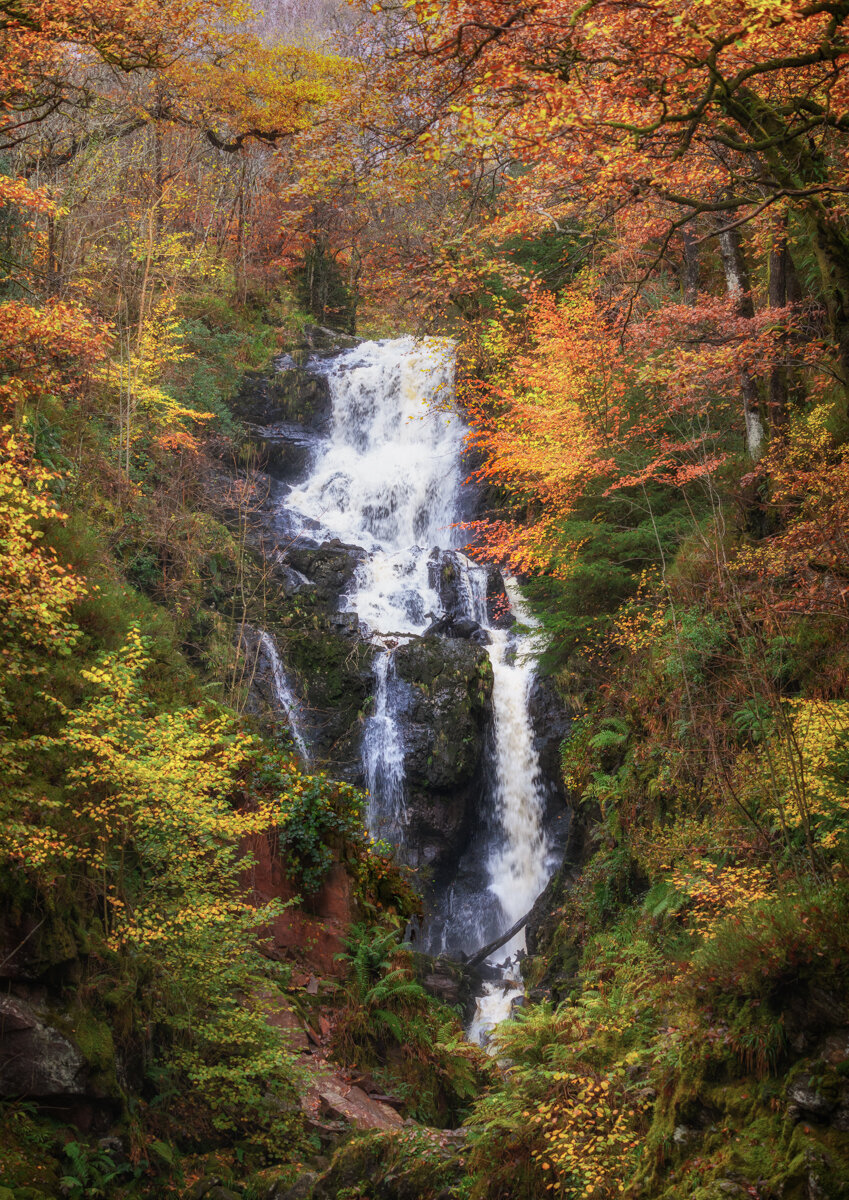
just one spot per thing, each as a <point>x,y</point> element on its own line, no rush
<point>451,574</point>
<point>328,342</point>
<point>300,1189</point>
<point>804,1095</point>
<point>389,1166</point>
<point>835,1048</point>
<point>459,627</point>
<point>201,1187</point>
<point>293,395</point>
<point>446,714</point>
<point>37,1061</point>
<point>279,1014</point>
<point>352,1104</point>
<point>329,567</point>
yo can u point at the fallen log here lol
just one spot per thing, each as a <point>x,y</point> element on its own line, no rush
<point>478,957</point>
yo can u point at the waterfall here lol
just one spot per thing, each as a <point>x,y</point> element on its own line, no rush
<point>389,476</point>
<point>283,694</point>
<point>388,479</point>
<point>383,759</point>
<point>519,869</point>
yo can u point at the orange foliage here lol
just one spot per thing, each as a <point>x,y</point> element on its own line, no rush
<point>45,350</point>
<point>546,422</point>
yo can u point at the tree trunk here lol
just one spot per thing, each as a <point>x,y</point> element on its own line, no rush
<point>158,181</point>
<point>737,284</point>
<point>778,299</point>
<point>52,270</point>
<point>832,248</point>
<point>691,267</point>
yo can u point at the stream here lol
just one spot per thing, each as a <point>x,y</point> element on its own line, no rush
<point>387,477</point>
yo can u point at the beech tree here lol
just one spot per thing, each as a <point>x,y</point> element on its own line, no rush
<point>668,109</point>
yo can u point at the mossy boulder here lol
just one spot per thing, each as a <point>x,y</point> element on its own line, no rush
<point>293,395</point>
<point>61,1057</point>
<point>445,722</point>
<point>414,1164</point>
<point>330,568</point>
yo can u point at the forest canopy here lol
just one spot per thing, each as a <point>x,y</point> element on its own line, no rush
<point>631,218</point>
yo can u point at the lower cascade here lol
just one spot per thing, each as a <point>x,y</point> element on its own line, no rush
<point>386,481</point>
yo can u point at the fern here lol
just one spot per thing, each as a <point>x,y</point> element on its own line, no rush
<point>391,1027</point>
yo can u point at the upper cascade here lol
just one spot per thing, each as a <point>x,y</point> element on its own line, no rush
<point>389,477</point>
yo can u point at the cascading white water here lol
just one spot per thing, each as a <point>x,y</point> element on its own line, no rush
<point>284,695</point>
<point>389,480</point>
<point>383,759</point>
<point>389,477</point>
<point>518,864</point>
<point>519,871</point>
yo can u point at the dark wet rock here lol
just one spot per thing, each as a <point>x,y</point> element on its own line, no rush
<point>283,451</point>
<point>551,966</point>
<point>802,1093</point>
<point>331,672</point>
<point>292,582</point>
<point>452,982</point>
<point>835,1048</point>
<point>447,712</point>
<point>295,396</point>
<point>327,665</point>
<point>448,572</point>
<point>326,341</point>
<point>458,627</point>
<point>301,1189</point>
<point>811,1011</point>
<point>203,1186</point>
<point>497,601</point>
<point>552,723</point>
<point>115,1147</point>
<point>36,1060</point>
<point>329,567</point>
<point>63,1060</point>
<point>447,575</point>
<point>840,1119</point>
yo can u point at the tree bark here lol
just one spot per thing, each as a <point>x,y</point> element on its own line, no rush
<point>777,299</point>
<point>832,249</point>
<point>737,284</point>
<point>691,267</point>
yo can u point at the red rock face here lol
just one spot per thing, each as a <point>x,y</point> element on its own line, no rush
<point>311,932</point>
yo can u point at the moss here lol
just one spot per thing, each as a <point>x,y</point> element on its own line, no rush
<point>26,1161</point>
<point>411,1165</point>
<point>749,1141</point>
<point>93,1037</point>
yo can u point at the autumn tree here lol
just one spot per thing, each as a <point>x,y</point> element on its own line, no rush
<point>668,113</point>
